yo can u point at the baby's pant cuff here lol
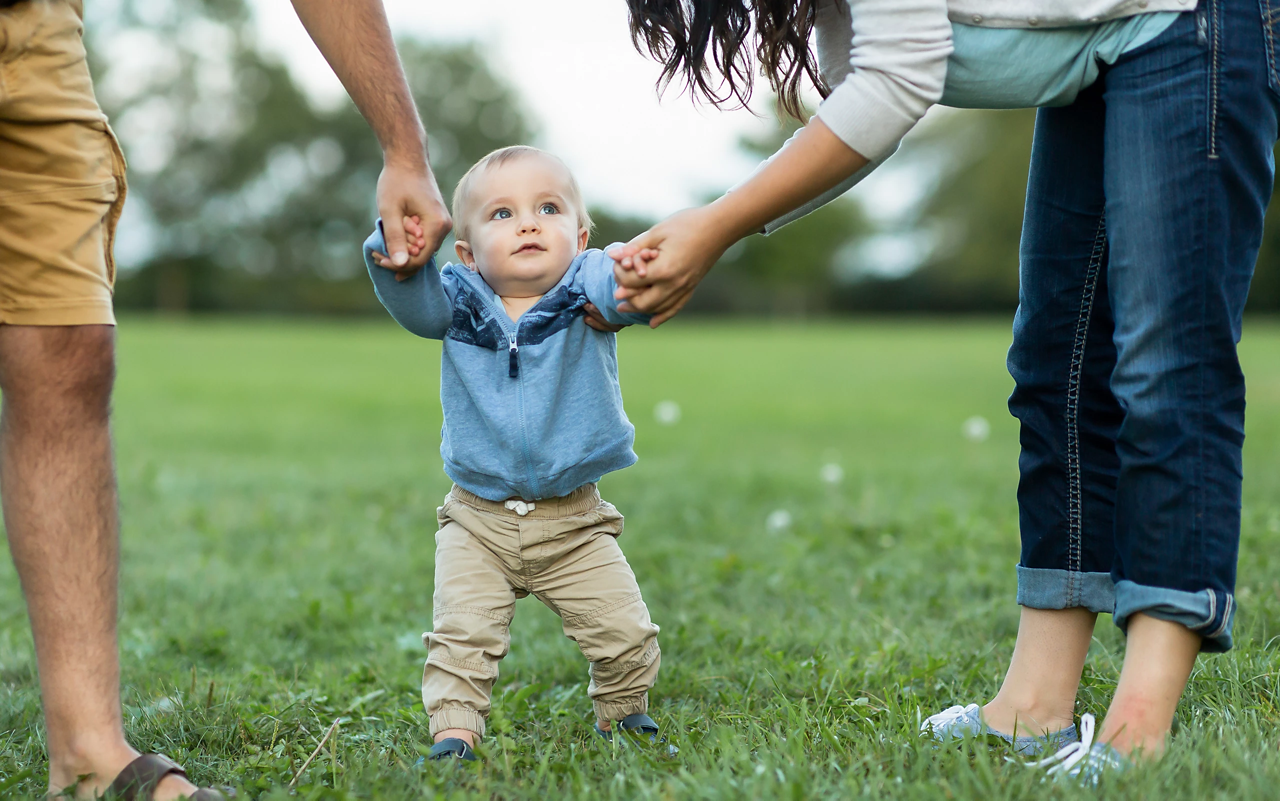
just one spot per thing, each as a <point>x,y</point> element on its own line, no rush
<point>620,708</point>
<point>456,717</point>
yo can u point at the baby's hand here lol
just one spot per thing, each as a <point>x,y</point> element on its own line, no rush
<point>416,241</point>
<point>638,261</point>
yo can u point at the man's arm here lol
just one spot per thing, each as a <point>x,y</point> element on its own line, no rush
<point>356,40</point>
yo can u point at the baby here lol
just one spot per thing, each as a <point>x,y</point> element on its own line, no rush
<point>532,419</point>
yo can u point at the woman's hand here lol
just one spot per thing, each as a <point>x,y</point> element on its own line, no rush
<point>658,271</point>
<point>690,242</point>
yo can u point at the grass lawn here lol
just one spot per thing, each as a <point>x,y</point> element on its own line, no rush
<point>279,483</point>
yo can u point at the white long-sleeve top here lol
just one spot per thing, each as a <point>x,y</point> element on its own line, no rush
<point>886,61</point>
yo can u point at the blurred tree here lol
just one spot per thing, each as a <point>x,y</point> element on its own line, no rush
<point>975,213</point>
<point>254,199</point>
<point>792,271</point>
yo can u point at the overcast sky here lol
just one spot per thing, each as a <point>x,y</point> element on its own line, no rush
<point>587,89</point>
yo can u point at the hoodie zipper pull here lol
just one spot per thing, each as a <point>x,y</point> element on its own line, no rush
<point>513,367</point>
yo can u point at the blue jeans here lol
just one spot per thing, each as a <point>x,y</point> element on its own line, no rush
<point>1143,220</point>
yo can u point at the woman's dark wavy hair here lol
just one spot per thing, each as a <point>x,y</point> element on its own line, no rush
<point>706,45</point>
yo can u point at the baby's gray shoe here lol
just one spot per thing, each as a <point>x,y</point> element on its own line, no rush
<point>451,748</point>
<point>961,722</point>
<point>638,723</point>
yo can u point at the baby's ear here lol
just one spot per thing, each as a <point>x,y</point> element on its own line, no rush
<point>463,249</point>
<point>584,235</point>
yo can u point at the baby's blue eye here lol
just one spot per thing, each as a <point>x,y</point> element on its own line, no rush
<point>549,208</point>
<point>502,214</point>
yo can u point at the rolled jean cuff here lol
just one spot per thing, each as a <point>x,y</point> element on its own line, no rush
<point>1045,588</point>
<point>1209,613</point>
<point>456,717</point>
<point>619,709</point>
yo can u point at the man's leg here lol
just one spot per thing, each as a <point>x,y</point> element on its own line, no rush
<point>59,495</point>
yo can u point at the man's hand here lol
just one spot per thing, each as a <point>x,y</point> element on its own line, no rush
<point>355,39</point>
<point>415,219</point>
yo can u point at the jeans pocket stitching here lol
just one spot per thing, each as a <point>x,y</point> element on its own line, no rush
<point>1270,17</point>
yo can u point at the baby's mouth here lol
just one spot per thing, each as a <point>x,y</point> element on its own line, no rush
<point>530,248</point>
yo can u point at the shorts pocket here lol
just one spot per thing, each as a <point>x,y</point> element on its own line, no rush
<point>117,203</point>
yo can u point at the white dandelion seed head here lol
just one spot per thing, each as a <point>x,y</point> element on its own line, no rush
<point>831,473</point>
<point>976,429</point>
<point>667,412</point>
<point>778,521</point>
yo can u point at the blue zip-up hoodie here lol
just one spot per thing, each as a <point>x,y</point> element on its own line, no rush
<point>531,410</point>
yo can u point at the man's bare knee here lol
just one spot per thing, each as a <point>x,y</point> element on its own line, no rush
<point>52,371</point>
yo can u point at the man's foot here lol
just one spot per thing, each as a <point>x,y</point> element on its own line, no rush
<point>960,722</point>
<point>99,775</point>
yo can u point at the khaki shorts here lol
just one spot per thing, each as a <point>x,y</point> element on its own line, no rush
<point>62,182</point>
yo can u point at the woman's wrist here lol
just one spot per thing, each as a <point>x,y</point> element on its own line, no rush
<point>729,221</point>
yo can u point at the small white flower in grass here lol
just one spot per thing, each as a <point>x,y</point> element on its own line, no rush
<point>410,642</point>
<point>778,521</point>
<point>831,473</point>
<point>667,412</point>
<point>976,429</point>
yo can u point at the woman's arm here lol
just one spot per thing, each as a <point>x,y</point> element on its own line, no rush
<point>897,54</point>
<point>897,62</point>
<point>690,242</point>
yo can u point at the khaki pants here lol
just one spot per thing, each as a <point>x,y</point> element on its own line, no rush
<point>565,553</point>
<point>62,183</point>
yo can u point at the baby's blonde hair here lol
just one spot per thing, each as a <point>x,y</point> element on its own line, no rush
<point>496,159</point>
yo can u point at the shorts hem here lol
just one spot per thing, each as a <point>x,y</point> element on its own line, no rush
<point>88,312</point>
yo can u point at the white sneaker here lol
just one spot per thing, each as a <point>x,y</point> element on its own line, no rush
<point>1084,761</point>
<point>959,722</point>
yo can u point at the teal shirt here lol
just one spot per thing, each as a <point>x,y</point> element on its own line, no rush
<point>1027,68</point>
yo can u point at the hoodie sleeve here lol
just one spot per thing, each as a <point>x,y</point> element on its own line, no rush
<point>596,278</point>
<point>420,304</point>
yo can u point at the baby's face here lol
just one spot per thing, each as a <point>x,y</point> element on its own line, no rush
<point>522,231</point>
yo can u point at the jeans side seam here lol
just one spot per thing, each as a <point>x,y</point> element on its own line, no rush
<point>1075,502</point>
<point>1215,14</point>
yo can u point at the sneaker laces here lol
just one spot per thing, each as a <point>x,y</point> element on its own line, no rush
<point>1069,756</point>
<point>947,717</point>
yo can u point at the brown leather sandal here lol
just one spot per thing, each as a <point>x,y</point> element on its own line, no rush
<point>139,778</point>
